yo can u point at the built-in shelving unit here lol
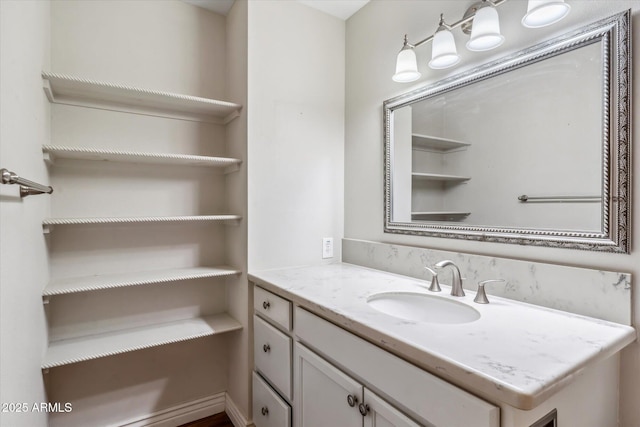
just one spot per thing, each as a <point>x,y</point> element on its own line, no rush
<point>65,352</point>
<point>52,152</point>
<point>95,343</point>
<point>435,143</point>
<point>72,285</point>
<point>72,90</point>
<point>439,177</point>
<point>442,148</point>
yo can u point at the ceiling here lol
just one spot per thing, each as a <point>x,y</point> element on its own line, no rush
<point>342,9</point>
<point>218,6</point>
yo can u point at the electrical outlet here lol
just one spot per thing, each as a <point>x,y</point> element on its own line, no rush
<point>327,247</point>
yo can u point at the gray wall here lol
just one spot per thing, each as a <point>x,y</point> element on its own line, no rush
<point>374,36</point>
<point>296,133</point>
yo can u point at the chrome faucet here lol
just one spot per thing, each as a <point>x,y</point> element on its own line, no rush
<point>456,281</point>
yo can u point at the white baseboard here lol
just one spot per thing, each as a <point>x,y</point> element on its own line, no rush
<point>235,415</point>
<point>192,411</point>
<point>183,413</point>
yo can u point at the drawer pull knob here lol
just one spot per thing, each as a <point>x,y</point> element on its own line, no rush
<point>266,305</point>
<point>266,348</point>
<point>364,409</point>
<point>265,411</point>
<point>352,400</point>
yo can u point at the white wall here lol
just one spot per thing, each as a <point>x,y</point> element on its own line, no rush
<point>296,133</point>
<point>374,36</point>
<point>24,126</point>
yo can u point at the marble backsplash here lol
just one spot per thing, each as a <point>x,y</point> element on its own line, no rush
<point>596,293</point>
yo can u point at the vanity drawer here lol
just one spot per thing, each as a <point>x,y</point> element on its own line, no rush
<point>273,307</point>
<point>272,355</point>
<point>269,410</point>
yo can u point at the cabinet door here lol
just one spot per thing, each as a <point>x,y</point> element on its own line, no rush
<point>324,396</point>
<point>381,414</point>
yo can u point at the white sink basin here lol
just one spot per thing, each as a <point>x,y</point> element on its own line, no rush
<point>422,307</point>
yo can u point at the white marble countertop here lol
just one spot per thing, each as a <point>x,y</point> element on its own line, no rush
<point>516,353</point>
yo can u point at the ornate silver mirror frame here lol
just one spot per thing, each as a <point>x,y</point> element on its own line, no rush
<point>614,34</point>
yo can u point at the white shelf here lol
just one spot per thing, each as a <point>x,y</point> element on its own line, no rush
<point>439,215</point>
<point>56,151</point>
<point>71,90</point>
<point>75,350</point>
<point>436,143</point>
<point>440,177</point>
<point>141,219</point>
<point>109,281</point>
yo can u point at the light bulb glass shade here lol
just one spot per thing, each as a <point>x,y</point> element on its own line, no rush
<point>443,50</point>
<point>406,66</point>
<point>541,13</point>
<point>485,31</point>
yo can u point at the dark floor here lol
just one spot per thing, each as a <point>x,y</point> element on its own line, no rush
<point>217,420</point>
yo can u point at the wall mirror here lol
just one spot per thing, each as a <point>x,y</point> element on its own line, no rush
<point>531,149</point>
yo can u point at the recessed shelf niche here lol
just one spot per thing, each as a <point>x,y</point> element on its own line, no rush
<point>96,339</point>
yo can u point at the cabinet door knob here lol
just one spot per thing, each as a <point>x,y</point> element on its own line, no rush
<point>265,411</point>
<point>266,305</point>
<point>266,348</point>
<point>364,409</point>
<point>352,400</point>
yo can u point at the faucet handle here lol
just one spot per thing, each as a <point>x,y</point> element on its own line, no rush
<point>481,295</point>
<point>435,284</point>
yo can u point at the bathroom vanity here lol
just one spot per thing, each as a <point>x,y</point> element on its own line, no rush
<point>331,348</point>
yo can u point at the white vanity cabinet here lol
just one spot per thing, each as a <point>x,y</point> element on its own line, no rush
<point>314,374</point>
<point>516,366</point>
<point>408,391</point>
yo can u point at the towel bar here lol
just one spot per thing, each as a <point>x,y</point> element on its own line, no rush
<point>27,187</point>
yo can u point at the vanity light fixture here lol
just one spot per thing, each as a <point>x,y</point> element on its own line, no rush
<point>406,64</point>
<point>541,13</point>
<point>481,21</point>
<point>485,31</point>
<point>443,50</point>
